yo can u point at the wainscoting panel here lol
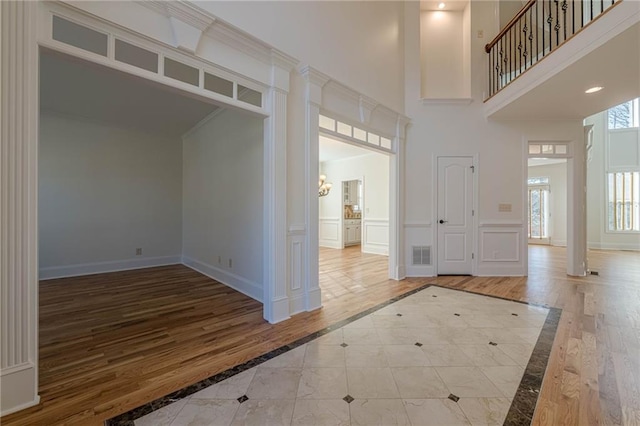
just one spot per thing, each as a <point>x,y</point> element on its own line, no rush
<point>330,232</point>
<point>375,236</point>
<point>500,249</point>
<point>297,272</point>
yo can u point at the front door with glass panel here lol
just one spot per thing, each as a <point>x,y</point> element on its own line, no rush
<point>538,214</point>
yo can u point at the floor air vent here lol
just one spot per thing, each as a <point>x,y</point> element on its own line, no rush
<point>421,255</point>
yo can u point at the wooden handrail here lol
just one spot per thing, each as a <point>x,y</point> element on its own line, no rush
<point>525,8</point>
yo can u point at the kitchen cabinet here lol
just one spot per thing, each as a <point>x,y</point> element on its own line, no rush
<point>352,232</point>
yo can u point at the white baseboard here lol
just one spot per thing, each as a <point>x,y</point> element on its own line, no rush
<point>102,267</point>
<point>236,282</point>
<point>330,244</point>
<point>314,299</point>
<point>279,310</point>
<point>500,271</point>
<point>419,271</point>
<point>559,243</point>
<point>613,246</point>
<point>296,304</point>
<point>375,249</point>
<point>22,381</point>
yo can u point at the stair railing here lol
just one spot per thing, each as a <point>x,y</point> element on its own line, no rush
<point>538,29</point>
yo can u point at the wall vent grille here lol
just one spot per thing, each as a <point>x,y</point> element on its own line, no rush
<point>421,255</point>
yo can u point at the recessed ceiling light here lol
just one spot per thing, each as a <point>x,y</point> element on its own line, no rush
<point>441,5</point>
<point>594,89</point>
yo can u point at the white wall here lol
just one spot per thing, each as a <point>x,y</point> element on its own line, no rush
<point>222,192</point>
<point>442,54</point>
<point>455,129</point>
<point>103,192</point>
<point>600,162</point>
<point>557,174</point>
<point>374,170</point>
<point>359,43</point>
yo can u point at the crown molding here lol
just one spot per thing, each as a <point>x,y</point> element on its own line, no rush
<point>221,31</point>
<point>182,10</point>
<point>314,76</point>
<point>282,60</point>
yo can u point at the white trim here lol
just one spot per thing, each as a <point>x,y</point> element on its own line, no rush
<point>236,282</point>
<point>297,229</point>
<point>296,304</point>
<point>417,224</point>
<point>446,101</point>
<point>19,206</point>
<point>323,240</point>
<point>420,271</point>
<point>614,246</point>
<point>20,397</point>
<point>515,256</point>
<point>499,271</point>
<point>501,224</point>
<point>110,266</point>
<point>372,247</point>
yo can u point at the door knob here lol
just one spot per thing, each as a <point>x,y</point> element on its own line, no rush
<point>442,221</point>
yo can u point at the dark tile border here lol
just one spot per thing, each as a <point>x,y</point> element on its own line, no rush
<point>522,407</point>
<point>526,398</point>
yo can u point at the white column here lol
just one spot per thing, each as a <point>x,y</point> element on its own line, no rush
<point>397,270</point>
<point>314,83</point>
<point>576,210</point>
<point>18,207</point>
<point>276,300</point>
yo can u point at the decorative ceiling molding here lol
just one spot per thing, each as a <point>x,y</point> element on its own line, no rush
<point>201,20</point>
<point>185,36</point>
<point>282,60</point>
<point>361,107</point>
<point>366,106</point>
<point>314,76</point>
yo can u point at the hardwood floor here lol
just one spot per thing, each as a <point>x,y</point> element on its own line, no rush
<point>111,342</point>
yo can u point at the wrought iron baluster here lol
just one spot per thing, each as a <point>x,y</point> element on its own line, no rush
<point>591,4</point>
<point>537,34</point>
<point>556,27</point>
<point>573,17</point>
<point>519,32</point>
<point>581,13</point>
<point>564,18</point>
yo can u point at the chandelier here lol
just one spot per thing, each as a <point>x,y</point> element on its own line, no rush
<point>323,187</point>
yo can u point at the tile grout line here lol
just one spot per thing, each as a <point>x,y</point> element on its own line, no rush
<point>127,418</point>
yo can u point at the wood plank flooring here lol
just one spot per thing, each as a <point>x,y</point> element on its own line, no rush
<point>111,342</point>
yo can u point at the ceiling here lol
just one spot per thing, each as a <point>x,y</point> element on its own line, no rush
<point>331,150</point>
<point>614,66</point>
<point>72,86</point>
<point>448,4</point>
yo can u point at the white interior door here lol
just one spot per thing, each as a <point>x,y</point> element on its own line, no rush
<point>455,215</point>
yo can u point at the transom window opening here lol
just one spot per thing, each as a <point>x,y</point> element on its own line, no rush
<point>354,132</point>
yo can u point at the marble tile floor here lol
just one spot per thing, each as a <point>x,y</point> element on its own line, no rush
<point>436,357</point>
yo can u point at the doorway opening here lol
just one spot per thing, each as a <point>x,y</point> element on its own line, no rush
<point>547,212</point>
<point>353,218</point>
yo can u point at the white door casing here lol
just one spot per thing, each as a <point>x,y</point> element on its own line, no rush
<point>455,215</point>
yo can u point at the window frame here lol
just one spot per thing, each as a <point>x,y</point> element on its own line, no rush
<point>635,115</point>
<point>607,229</point>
